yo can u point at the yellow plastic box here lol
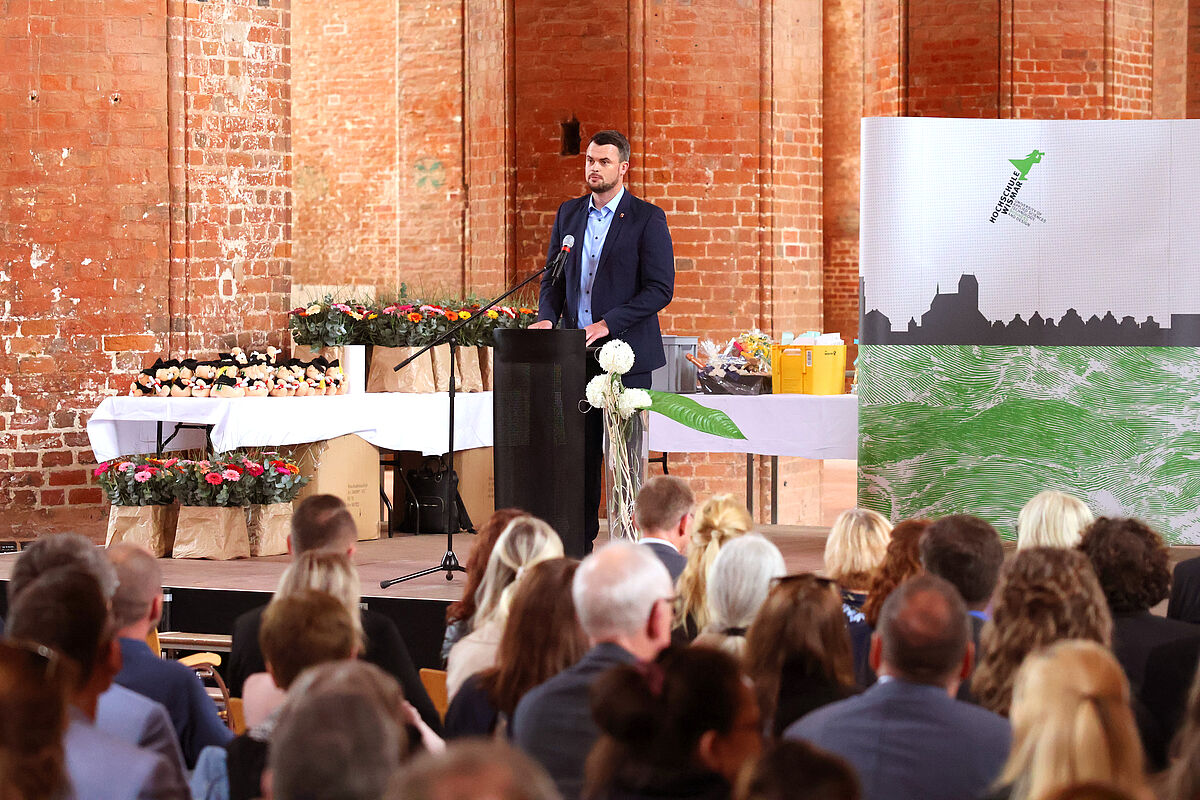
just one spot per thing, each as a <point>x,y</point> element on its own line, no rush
<point>808,369</point>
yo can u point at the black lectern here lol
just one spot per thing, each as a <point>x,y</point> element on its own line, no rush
<point>538,381</point>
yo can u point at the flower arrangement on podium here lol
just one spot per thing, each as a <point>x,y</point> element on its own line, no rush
<point>623,412</point>
<point>142,492</point>
<point>212,517</point>
<point>273,482</point>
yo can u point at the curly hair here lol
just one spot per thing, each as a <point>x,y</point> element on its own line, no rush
<point>901,561</point>
<point>1131,561</point>
<point>1045,594</point>
<point>719,520</point>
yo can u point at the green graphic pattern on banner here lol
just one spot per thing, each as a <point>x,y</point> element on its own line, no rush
<point>952,428</point>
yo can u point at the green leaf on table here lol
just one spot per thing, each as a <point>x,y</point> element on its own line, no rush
<point>687,411</point>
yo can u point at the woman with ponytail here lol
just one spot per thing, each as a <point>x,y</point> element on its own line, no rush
<point>719,521</point>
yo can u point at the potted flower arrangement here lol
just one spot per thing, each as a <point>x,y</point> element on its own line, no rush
<point>212,517</point>
<point>273,482</point>
<point>396,333</point>
<point>142,492</point>
<point>334,330</point>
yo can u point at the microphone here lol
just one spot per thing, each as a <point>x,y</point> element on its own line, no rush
<point>557,265</point>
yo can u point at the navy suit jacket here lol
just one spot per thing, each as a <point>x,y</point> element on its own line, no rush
<point>671,558</point>
<point>908,740</point>
<point>634,281</point>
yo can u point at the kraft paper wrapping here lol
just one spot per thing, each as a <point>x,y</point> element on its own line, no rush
<point>416,377</point>
<point>149,527</point>
<point>268,528</point>
<point>485,367</point>
<point>441,368</point>
<point>215,532</point>
<point>469,377</point>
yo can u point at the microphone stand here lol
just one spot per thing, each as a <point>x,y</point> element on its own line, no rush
<point>449,563</point>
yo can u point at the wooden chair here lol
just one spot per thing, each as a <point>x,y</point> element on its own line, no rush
<point>205,666</point>
<point>434,681</point>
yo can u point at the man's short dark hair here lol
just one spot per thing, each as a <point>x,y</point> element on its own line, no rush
<point>966,551</point>
<point>924,630</point>
<point>322,522</point>
<point>1130,560</point>
<point>64,609</point>
<point>662,502</point>
<point>615,138</point>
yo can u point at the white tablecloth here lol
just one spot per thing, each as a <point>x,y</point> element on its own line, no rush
<point>128,425</point>
<point>805,425</point>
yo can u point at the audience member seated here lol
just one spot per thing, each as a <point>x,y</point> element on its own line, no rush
<point>623,598</point>
<point>1090,790</point>
<point>901,561</point>
<point>682,726</point>
<point>1044,595</point>
<point>720,520</point>
<point>63,608</point>
<point>1071,722</point>
<point>1181,781</point>
<point>662,513</point>
<point>137,606</point>
<point>795,770</point>
<point>525,542</point>
<point>1052,519</point>
<point>460,614</point>
<point>1184,603</point>
<point>322,523</point>
<point>120,712</point>
<point>1158,655</point>
<point>907,736</point>
<point>34,681</point>
<point>798,651</point>
<point>966,551</point>
<point>741,577</point>
<point>473,770</point>
<point>854,550</point>
<point>298,631</point>
<point>341,735</point>
<point>541,638</point>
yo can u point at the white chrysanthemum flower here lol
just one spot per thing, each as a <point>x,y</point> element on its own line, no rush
<point>597,392</point>
<point>632,401</point>
<point>616,356</point>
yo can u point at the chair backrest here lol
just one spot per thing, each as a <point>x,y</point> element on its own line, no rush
<point>152,641</point>
<point>237,716</point>
<point>434,681</point>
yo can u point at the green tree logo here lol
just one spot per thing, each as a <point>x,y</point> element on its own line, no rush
<point>1023,165</point>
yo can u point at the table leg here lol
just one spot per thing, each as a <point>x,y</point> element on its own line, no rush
<point>774,490</point>
<point>750,483</point>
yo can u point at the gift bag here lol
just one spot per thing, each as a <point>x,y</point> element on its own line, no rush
<point>485,367</point>
<point>216,532</point>
<point>149,527</point>
<point>268,527</point>
<point>468,378</point>
<point>441,367</point>
<point>416,377</point>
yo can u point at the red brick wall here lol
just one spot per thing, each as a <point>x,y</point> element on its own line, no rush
<point>1169,47</point>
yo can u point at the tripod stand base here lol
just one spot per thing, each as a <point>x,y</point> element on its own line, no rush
<point>449,565</point>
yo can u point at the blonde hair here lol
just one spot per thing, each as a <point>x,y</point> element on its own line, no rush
<point>718,521</point>
<point>856,547</point>
<point>1052,519</point>
<point>325,571</point>
<point>525,541</point>
<point>1071,723</point>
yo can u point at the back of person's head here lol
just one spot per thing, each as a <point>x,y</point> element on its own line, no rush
<point>139,583</point>
<point>481,550</point>
<point>719,521</point>
<point>1052,519</point>
<point>473,769</point>
<point>303,629</point>
<point>1090,790</point>
<point>741,577</point>
<point>1130,560</point>
<point>34,681</point>
<point>801,627</point>
<point>542,636</point>
<point>337,736</point>
<point>1044,595</point>
<point>322,522</point>
<point>901,561</point>
<point>64,609</point>
<point>525,542</point>
<point>615,590</point>
<point>1072,722</point>
<point>793,769</point>
<point>662,716</point>
<point>966,551</point>
<point>61,550</point>
<point>325,571</point>
<point>661,503</point>
<point>924,631</point>
<point>856,547</point>
<point>1181,781</point>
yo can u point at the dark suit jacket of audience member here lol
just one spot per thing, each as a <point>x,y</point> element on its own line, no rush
<point>1159,658</point>
<point>177,688</point>
<point>860,647</point>
<point>909,740</point>
<point>671,558</point>
<point>553,722</point>
<point>471,712</point>
<point>1184,604</point>
<point>800,695</point>
<point>385,649</point>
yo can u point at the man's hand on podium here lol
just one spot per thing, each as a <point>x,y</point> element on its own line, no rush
<point>597,330</point>
<point>541,325</point>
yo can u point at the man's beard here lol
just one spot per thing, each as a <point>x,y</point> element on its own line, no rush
<point>601,188</point>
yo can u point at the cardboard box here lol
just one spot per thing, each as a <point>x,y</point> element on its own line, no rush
<point>347,467</point>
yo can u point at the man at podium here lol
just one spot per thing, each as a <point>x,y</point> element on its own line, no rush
<point>612,285</point>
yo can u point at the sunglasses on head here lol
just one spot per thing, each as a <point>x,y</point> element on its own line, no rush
<point>37,655</point>
<point>804,576</point>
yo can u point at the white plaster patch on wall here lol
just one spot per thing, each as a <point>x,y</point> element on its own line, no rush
<point>57,292</point>
<point>226,284</point>
<point>8,388</point>
<point>86,261</point>
<point>37,257</point>
<point>66,153</point>
<point>4,277</point>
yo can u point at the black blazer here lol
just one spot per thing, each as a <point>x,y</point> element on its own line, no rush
<point>671,558</point>
<point>634,281</point>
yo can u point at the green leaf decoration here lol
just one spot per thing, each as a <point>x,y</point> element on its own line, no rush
<point>687,411</point>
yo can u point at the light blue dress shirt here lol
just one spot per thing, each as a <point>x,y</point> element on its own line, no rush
<point>598,223</point>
